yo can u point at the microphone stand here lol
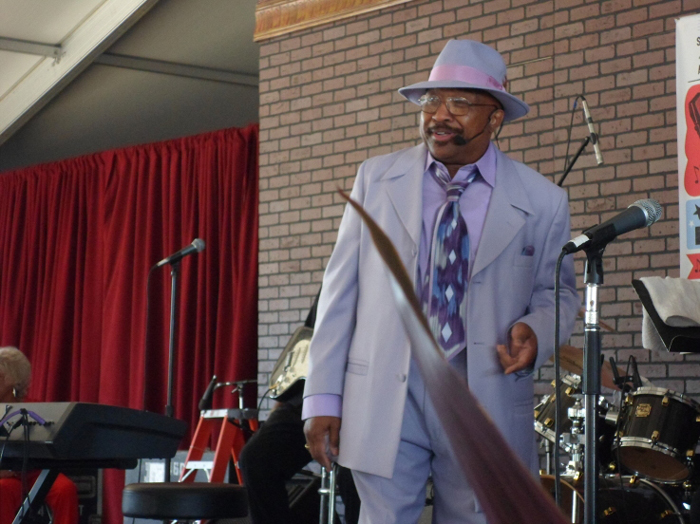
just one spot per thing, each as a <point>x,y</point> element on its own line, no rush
<point>169,411</point>
<point>591,380</point>
<point>573,160</point>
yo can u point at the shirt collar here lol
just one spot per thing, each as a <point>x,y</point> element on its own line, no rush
<point>486,165</point>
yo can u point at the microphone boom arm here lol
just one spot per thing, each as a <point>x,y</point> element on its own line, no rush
<point>573,160</point>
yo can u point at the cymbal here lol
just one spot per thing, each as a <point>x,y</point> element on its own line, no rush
<point>571,359</point>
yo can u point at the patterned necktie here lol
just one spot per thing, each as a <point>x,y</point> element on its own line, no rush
<point>445,287</point>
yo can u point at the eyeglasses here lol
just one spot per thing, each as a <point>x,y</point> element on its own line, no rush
<point>457,106</point>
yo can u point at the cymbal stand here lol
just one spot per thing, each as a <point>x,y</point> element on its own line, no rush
<point>548,456</point>
<point>591,379</point>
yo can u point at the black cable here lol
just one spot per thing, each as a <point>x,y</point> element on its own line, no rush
<point>263,398</point>
<point>557,381</point>
<point>568,133</point>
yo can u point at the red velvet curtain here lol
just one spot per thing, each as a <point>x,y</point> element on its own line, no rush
<point>77,240</point>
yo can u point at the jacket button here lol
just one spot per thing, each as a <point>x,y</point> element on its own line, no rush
<point>401,377</point>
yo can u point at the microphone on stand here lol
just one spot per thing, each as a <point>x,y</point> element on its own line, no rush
<point>591,129</point>
<point>642,213</point>
<point>196,246</point>
<point>636,379</point>
<point>207,399</point>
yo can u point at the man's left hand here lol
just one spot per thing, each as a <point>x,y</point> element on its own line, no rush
<point>521,351</point>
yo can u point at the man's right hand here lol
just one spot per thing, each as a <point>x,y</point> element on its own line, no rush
<point>322,439</point>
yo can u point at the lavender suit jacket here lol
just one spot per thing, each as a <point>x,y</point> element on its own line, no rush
<point>360,349</point>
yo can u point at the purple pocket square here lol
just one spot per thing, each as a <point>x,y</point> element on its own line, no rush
<point>528,251</point>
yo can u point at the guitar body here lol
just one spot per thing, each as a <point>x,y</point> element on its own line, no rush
<point>288,376</point>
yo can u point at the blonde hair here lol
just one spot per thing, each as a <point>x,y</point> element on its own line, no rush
<point>16,369</point>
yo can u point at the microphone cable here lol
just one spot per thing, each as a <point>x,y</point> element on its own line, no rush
<point>263,398</point>
<point>557,382</point>
<point>568,132</point>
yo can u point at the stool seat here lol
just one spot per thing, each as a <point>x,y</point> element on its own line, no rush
<point>184,501</point>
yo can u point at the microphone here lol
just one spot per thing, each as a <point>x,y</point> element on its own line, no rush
<point>196,246</point>
<point>206,400</point>
<point>591,129</point>
<point>642,213</point>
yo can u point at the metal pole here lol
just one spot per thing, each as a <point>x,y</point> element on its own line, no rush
<point>169,410</point>
<point>327,492</point>
<point>591,381</point>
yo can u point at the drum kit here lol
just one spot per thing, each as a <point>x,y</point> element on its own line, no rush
<point>646,450</point>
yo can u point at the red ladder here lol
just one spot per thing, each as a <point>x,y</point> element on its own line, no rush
<point>232,438</point>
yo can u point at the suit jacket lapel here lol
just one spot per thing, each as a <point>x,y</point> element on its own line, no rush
<point>404,185</point>
<point>503,220</point>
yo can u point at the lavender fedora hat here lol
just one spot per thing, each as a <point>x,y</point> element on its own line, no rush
<point>467,64</point>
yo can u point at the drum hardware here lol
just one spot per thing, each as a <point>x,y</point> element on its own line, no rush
<point>548,456</point>
<point>573,442</point>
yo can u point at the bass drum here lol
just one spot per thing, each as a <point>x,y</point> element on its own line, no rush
<point>622,500</point>
<point>628,500</point>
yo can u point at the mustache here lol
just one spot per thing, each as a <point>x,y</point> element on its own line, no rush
<point>458,139</point>
<point>435,129</point>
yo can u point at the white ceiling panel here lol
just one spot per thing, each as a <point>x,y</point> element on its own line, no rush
<point>128,72</point>
<point>14,67</point>
<point>87,30</point>
<point>48,22</point>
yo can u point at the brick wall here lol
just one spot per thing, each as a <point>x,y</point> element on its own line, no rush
<point>328,101</point>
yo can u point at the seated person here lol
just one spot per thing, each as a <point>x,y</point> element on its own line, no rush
<point>275,453</point>
<point>62,499</point>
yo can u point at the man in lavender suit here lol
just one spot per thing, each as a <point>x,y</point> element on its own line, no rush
<point>365,401</point>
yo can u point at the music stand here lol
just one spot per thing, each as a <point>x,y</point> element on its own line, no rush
<point>675,339</point>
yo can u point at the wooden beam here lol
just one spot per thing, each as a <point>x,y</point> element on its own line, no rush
<point>279,17</point>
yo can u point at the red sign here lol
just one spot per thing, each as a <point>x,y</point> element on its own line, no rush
<point>695,272</point>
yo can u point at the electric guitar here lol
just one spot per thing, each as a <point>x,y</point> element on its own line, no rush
<point>287,378</point>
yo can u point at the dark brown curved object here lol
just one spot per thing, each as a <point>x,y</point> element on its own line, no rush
<point>506,490</point>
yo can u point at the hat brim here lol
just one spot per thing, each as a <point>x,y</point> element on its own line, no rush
<point>513,107</point>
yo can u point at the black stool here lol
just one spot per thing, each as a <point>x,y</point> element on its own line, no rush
<point>184,501</point>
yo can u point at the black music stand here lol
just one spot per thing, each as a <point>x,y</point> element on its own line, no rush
<point>675,339</point>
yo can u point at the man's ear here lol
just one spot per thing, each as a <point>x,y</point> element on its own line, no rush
<point>496,120</point>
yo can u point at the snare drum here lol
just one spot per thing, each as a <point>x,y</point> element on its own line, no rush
<point>659,430</point>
